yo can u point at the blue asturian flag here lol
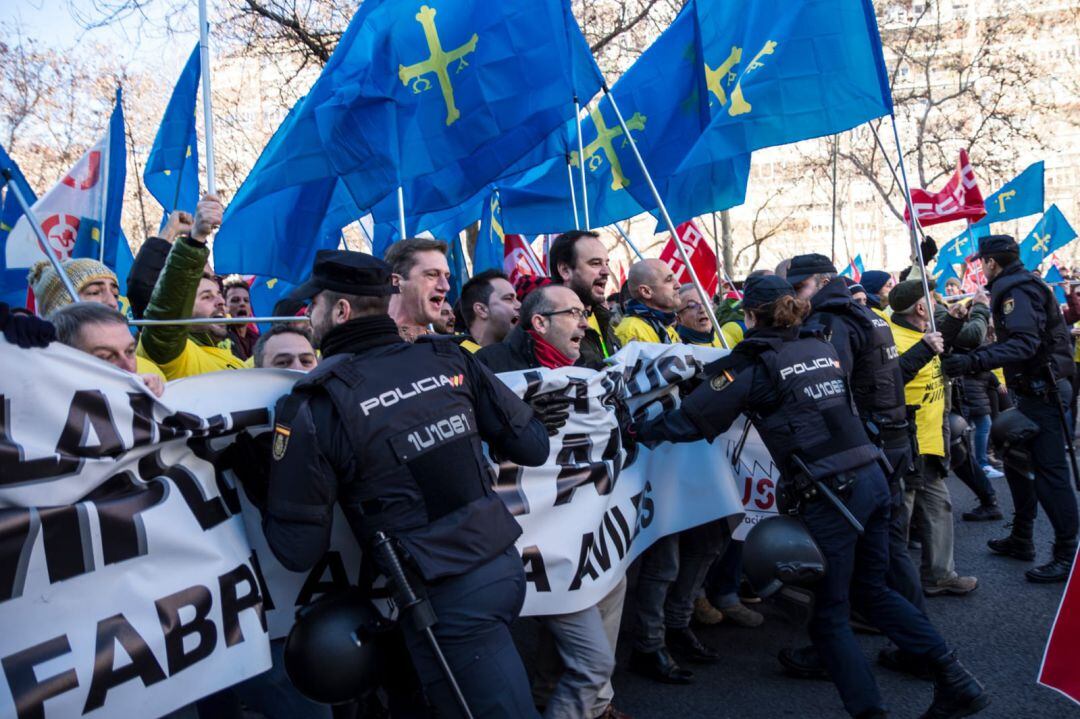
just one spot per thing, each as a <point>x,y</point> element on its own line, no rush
<point>957,250</point>
<point>779,73</point>
<point>12,280</point>
<point>1019,197</point>
<point>489,240</point>
<point>172,169</point>
<point>1054,278</point>
<point>441,97</point>
<point>1050,234</point>
<point>459,272</point>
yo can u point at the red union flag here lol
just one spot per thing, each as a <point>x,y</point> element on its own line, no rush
<point>701,256</point>
<point>960,199</point>
<point>519,258</point>
<point>1060,668</point>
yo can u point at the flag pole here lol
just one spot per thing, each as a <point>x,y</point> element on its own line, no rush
<point>581,165</point>
<point>208,113</point>
<point>626,238</point>
<point>835,152</point>
<point>706,300</point>
<point>716,244</point>
<point>43,241</point>
<point>105,190</point>
<point>573,192</point>
<point>914,233</point>
<point>401,211</point>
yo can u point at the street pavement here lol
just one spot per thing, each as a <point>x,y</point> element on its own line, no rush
<point>999,632</point>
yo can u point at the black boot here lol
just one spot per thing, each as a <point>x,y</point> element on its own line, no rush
<point>685,643</point>
<point>956,692</point>
<point>1057,569</point>
<point>1013,546</point>
<point>659,666</point>
<point>803,663</point>
<point>987,512</point>
<point>898,660</point>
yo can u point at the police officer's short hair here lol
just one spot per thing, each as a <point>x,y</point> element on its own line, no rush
<point>478,289</point>
<point>402,254</point>
<point>361,305</point>
<point>536,302</point>
<point>70,319</point>
<point>259,351</point>
<point>564,251</point>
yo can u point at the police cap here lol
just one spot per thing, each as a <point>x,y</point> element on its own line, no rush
<point>806,266</point>
<point>350,273</point>
<point>764,290</point>
<point>995,244</point>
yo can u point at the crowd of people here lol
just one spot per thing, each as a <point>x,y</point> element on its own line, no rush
<point>864,391</point>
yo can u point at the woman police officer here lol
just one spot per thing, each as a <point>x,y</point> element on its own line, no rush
<point>792,388</point>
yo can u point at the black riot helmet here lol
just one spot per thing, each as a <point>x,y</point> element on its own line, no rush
<point>331,654</point>
<point>1011,434</point>
<point>959,440</point>
<point>780,551</point>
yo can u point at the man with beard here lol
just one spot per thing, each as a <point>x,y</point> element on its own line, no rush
<point>238,304</point>
<point>184,290</point>
<point>490,307</point>
<point>579,260</point>
<point>363,431</point>
<point>422,277</point>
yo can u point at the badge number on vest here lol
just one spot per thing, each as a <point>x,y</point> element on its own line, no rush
<point>281,440</point>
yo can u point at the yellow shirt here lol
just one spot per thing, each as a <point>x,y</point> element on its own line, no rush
<point>471,346</point>
<point>144,365</point>
<point>635,328</point>
<point>196,359</point>
<point>926,392</point>
<point>733,333</point>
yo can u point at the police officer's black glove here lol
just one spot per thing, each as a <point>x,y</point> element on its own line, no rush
<point>552,411</point>
<point>25,330</point>
<point>249,458</point>
<point>956,365</point>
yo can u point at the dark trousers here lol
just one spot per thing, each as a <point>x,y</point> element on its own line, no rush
<point>856,570</point>
<point>902,575</point>
<point>974,478</point>
<point>722,583</point>
<point>1052,487</point>
<point>474,612</point>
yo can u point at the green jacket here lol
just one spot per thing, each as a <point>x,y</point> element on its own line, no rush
<point>973,332</point>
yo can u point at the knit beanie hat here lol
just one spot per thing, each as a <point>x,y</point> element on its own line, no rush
<point>49,291</point>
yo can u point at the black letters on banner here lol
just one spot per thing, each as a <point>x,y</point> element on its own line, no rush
<point>315,587</point>
<point>15,468</point>
<point>535,571</point>
<point>577,469</point>
<point>143,663</point>
<point>508,487</point>
<point>232,604</point>
<point>18,531</point>
<point>30,694</point>
<point>168,610</point>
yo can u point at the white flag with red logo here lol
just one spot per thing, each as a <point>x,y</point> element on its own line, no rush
<point>960,199</point>
<point>519,258</point>
<point>702,258</point>
<point>1060,668</point>
<point>974,278</point>
<point>70,213</point>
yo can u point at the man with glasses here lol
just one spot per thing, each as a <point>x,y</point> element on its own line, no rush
<point>693,324</point>
<point>552,327</point>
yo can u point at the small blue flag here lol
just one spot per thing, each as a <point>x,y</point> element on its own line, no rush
<point>459,273</point>
<point>489,241</point>
<point>779,73</point>
<point>1051,233</point>
<point>13,280</point>
<point>442,97</point>
<point>1019,197</point>
<point>854,268</point>
<point>1054,278</point>
<point>172,169</point>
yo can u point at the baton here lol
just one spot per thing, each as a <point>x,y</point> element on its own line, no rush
<point>423,618</point>
<point>217,321</point>
<point>1056,397</point>
<point>829,495</point>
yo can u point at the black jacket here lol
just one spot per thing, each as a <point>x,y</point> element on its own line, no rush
<point>593,344</point>
<point>144,273</point>
<point>515,352</point>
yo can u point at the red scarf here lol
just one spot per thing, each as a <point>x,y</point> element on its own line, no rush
<point>546,353</point>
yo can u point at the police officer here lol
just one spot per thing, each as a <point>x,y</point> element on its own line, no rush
<point>1034,349</point>
<point>391,431</point>
<point>795,392</point>
<point>869,357</point>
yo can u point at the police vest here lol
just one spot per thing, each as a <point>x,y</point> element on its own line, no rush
<point>1055,343</point>
<point>814,419</point>
<point>877,383</point>
<point>422,478</point>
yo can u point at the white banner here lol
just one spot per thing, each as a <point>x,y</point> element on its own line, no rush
<point>128,557</point>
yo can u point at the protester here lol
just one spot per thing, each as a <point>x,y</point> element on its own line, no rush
<point>858,292</point>
<point>489,307</point>
<point>447,320</point>
<point>423,278</point>
<point>816,436</point>
<point>101,331</point>
<point>952,287</point>
<point>184,289</point>
<point>877,284</point>
<point>438,507</point>
<point>650,312</point>
<point>151,259</point>
<point>550,334</point>
<point>579,260</point>
<point>285,346</point>
<point>693,324</point>
<point>238,304</point>
<point>926,495</point>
